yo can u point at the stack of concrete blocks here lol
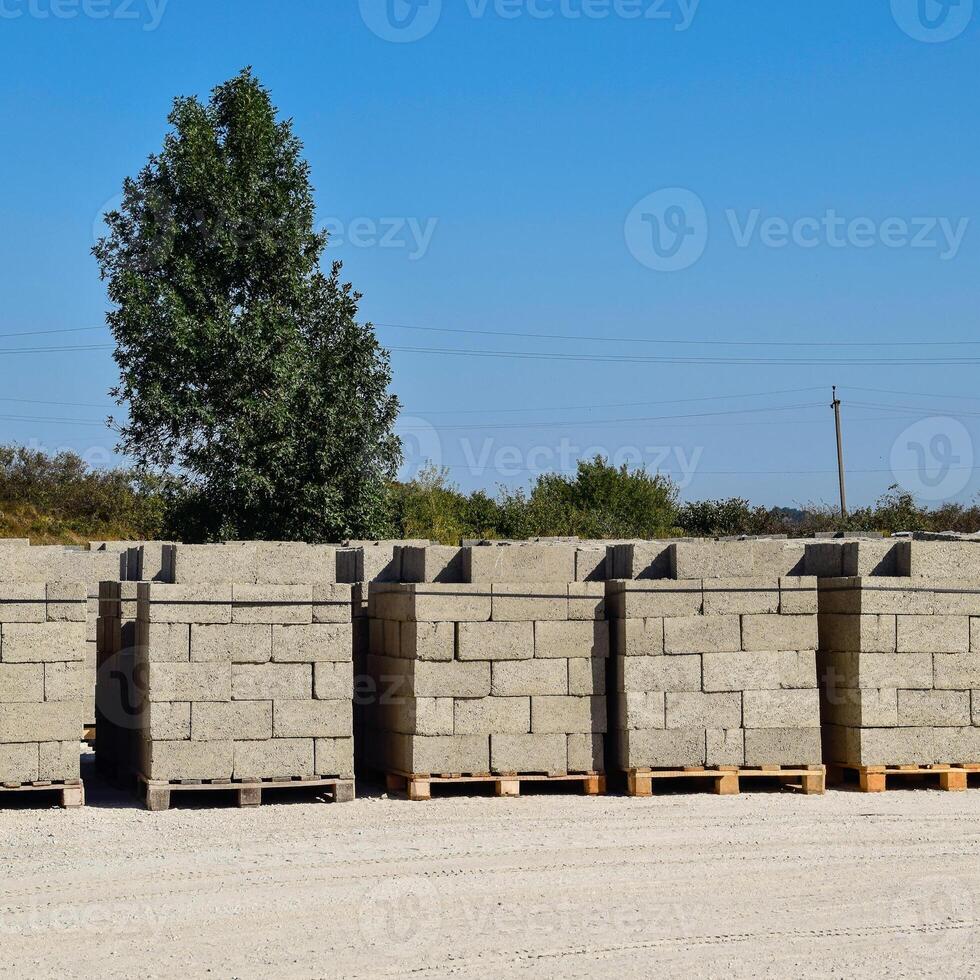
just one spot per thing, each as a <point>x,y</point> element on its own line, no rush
<point>42,679</point>
<point>489,660</point>
<point>715,655</point>
<point>241,667</point>
<point>900,652</point>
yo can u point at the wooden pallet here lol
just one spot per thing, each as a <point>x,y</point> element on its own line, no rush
<point>72,792</point>
<point>726,780</point>
<point>419,787</point>
<point>88,735</point>
<point>874,779</point>
<point>156,793</point>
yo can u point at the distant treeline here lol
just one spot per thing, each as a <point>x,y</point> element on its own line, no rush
<point>57,498</point>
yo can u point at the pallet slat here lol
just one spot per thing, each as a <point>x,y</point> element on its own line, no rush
<point>418,786</point>
<point>874,779</point>
<point>157,793</point>
<point>726,780</point>
<point>72,793</point>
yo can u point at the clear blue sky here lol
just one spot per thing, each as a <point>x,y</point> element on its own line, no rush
<point>501,173</point>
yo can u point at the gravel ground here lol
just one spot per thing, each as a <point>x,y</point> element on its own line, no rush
<point>764,884</point>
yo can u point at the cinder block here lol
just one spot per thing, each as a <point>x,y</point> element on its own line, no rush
<point>334,757</point>
<point>189,682</point>
<point>294,563</point>
<point>639,637</point>
<point>724,747</point>
<point>433,563</point>
<point>944,559</point>
<point>437,755</point>
<point>712,559</point>
<point>591,565</point>
<point>779,633</point>
<point>527,677</point>
<point>281,757</point>
<point>273,604</point>
<point>188,760</point>
<point>882,670</point>
<point>798,596</point>
<point>934,708</point>
<point>782,746</point>
<point>587,600</point>
<point>309,644</point>
<point>21,682</point>
<point>66,681</point>
<point>41,642</point>
<point>184,603</point>
<point>250,720</point>
<point>868,707</point>
<point>495,641</point>
<point>662,749</point>
<point>882,558</point>
<point>279,682</point>
<point>392,631</point>
<point>228,643</point>
<point>567,715</point>
<point>896,595</point>
<point>956,671</point>
<point>781,709</point>
<point>165,642</point>
<point>19,763</point>
<point>640,674</point>
<point>640,560</point>
<point>825,559</point>
<point>168,721</point>
<point>529,754</point>
<point>333,681</point>
<point>933,634</point>
<point>848,631</point>
<point>485,716</point>
<point>416,716</point>
<point>644,709</point>
<point>428,641</point>
<point>571,639</point>
<point>59,760</point>
<point>887,746</point>
<point>435,603</point>
<point>586,677</point>
<point>655,599</point>
<point>759,671</point>
<point>586,753</point>
<point>701,634</point>
<point>59,721</point>
<point>725,596</point>
<point>530,602</point>
<point>332,603</point>
<point>23,602</point>
<point>520,564</point>
<point>694,709</point>
<point>312,719</point>
<point>66,602</point>
<point>451,680</point>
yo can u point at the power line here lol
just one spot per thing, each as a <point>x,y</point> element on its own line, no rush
<point>55,350</point>
<point>38,401</point>
<point>39,333</point>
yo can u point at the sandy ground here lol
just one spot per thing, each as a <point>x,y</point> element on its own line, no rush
<point>765,884</point>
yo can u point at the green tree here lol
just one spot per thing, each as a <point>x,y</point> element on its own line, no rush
<point>242,363</point>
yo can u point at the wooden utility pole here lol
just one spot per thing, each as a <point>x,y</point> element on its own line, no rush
<point>835,405</point>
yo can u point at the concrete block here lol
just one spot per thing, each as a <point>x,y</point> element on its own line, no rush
<point>586,753</point>
<point>281,757</point>
<point>640,674</point>
<point>956,671</point>
<point>23,602</point>
<point>264,682</point>
<point>416,716</point>
<point>517,678</point>
<point>188,760</point>
<point>934,708</point>
<point>694,709</point>
<point>435,603</point>
<point>211,564</point>
<point>724,747</point>
<point>586,677</point>
<point>654,599</point>
<point>530,602</point>
<point>21,682</point>
<point>567,715</point>
<point>798,596</point>
<point>233,644</point>
<point>312,719</point>
<point>437,755</point>
<point>782,746</point>
<point>824,559</point>
<point>19,763</point>
<point>329,642</point>
<point>725,596</point>
<point>392,637</point>
<point>250,720</point>
<point>882,670</point>
<point>168,721</point>
<point>189,682</point>
<point>484,716</point>
<point>662,749</point>
<point>59,760</point>
<point>933,634</point>
<point>591,564</point>
<point>495,641</point>
<point>520,564</point>
<point>273,604</point>
<point>944,559</point>
<point>41,642</point>
<point>641,710</point>
<point>332,603</point>
<point>759,671</point>
<point>869,707</point>
<point>899,596</point>
<point>587,600</point>
<point>567,640</point>
<point>779,633</point>
<point>781,709</point>
<point>65,681</point>
<point>334,757</point>
<point>433,563</point>
<point>428,641</point>
<point>451,680</point>
<point>294,563</point>
<point>333,681</point>
<point>66,603</point>
<point>849,631</point>
<point>185,603</point>
<point>59,721</point>
<point>712,559</point>
<point>779,556</point>
<point>529,754</point>
<point>701,634</point>
<point>160,642</point>
<point>882,558</point>
<point>639,560</point>
<point>885,746</point>
<point>639,637</point>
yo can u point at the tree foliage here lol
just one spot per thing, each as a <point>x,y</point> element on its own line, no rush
<point>242,363</point>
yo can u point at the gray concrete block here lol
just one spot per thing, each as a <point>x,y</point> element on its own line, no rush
<point>933,634</point>
<point>273,604</point>
<point>428,641</point>
<point>495,641</point>
<point>66,603</point>
<point>655,599</point>
<point>779,633</point>
<point>798,596</point>
<point>642,674</point>
<point>662,749</point>
<point>547,754</point>
<point>312,719</point>
<point>586,753</point>
<point>882,558</point>
<point>59,761</point>
<point>640,560</point>
<point>639,637</point>
<point>333,681</point>
<point>516,678</point>
<point>944,559</point>
<point>19,763</point>
<point>724,747</point>
<point>211,564</point>
<point>168,721</point>
<point>333,642</point>
<point>886,746</point>
<point>185,603</point>
<point>567,640</point>
<point>849,631</point>
<point>956,671</point>
<point>279,682</point>
<point>332,603</point>
<point>65,681</point>
<point>824,559</point>
<point>485,716</point>
<point>782,746</point>
<point>165,642</point>
<point>586,677</point>
<point>21,682</point>
<point>437,755</point>
<point>58,721</point>
<point>567,715</point>
<point>227,643</point>
<point>712,559</point>
<point>433,563</point>
<point>725,596</point>
<point>294,563</point>
<point>334,757</point>
<point>641,710</point>
<point>759,671</point>
<point>587,600</point>
<point>189,682</point>
<point>188,760</point>
<point>282,757</point>
<point>415,716</point>
<point>435,603</point>
<point>694,709</point>
<point>392,641</point>
<point>780,709</point>
<point>898,596</point>
<point>251,720</point>
<point>866,707</point>
<point>520,564</point>
<point>882,670</point>
<point>451,680</point>
<point>934,708</point>
<point>41,642</point>
<point>591,564</point>
<point>702,634</point>
<point>530,602</point>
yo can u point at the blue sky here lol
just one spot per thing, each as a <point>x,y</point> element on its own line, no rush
<point>743,178</point>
